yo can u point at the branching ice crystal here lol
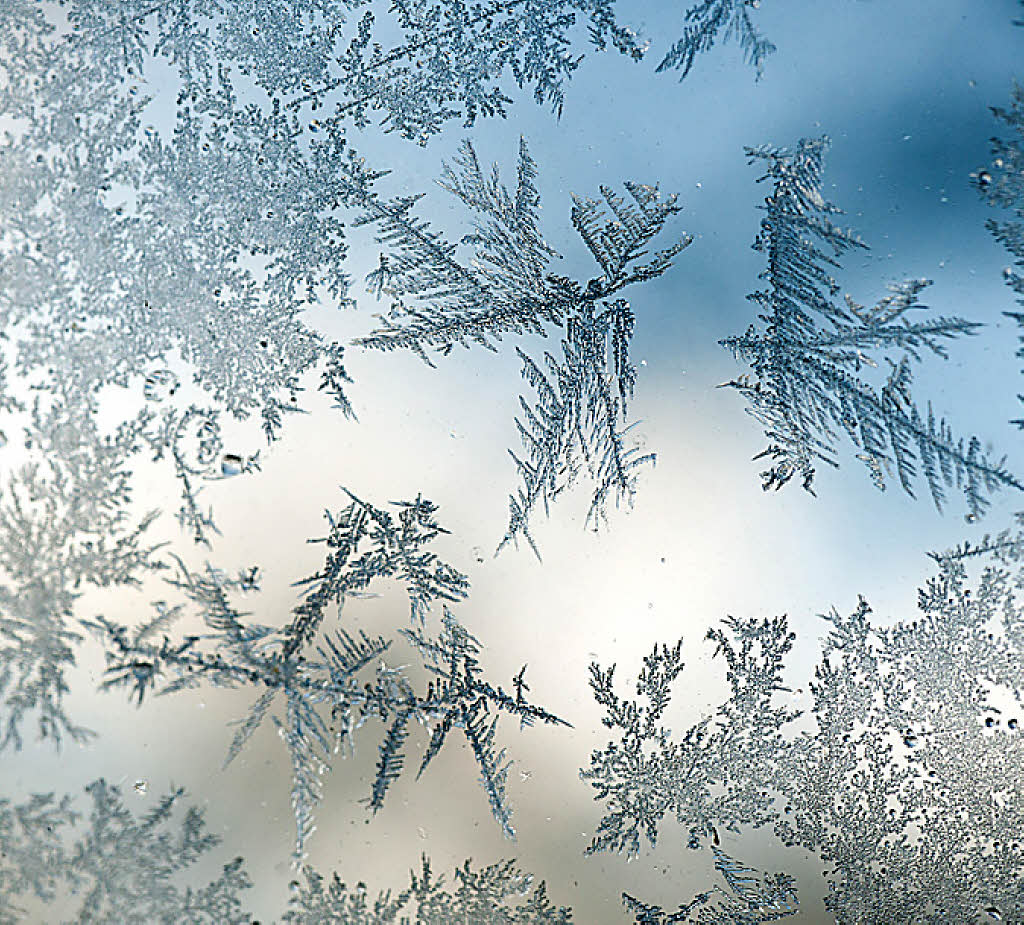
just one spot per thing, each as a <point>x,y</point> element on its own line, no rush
<point>902,776</point>
<point>495,895</point>
<point>808,350</point>
<point>1002,184</point>
<point>125,254</point>
<point>443,59</point>
<point>328,684</point>
<point>123,869</point>
<point>751,899</point>
<point>64,522</point>
<point>705,21</point>
<point>577,422</point>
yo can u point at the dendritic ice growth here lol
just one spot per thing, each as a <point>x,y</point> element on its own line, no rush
<point>576,423</point>
<point>733,19</point>
<point>807,352</point>
<point>112,866</point>
<point>328,684</point>
<point>65,523</point>
<point>751,898</point>
<point>499,894</point>
<point>428,62</point>
<point>902,776</point>
<point>1001,184</point>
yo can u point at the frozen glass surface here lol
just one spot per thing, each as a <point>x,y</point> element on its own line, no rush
<point>339,467</point>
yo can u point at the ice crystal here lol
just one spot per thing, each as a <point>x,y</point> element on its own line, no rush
<point>65,521</point>
<point>805,357</point>
<point>495,895</point>
<point>125,254</point>
<point>577,422</point>
<point>901,776</point>
<point>1001,185</point>
<point>328,684</point>
<point>121,868</point>
<point>705,21</point>
<point>751,898</point>
<point>430,61</point>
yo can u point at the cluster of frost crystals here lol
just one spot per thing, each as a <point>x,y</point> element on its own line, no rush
<point>499,894</point>
<point>750,899</point>
<point>327,685</point>
<point>903,776</point>
<point>427,62</point>
<point>118,867</point>
<point>807,352</point>
<point>130,259</point>
<point>65,522</point>
<point>577,422</point>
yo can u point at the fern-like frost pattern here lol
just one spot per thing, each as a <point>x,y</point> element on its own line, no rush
<point>577,422</point>
<point>807,350</point>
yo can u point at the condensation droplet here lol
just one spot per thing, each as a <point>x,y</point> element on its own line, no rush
<point>231,464</point>
<point>141,787</point>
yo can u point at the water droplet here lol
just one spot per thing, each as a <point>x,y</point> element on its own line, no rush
<point>141,787</point>
<point>231,464</point>
<point>1012,724</point>
<point>1007,272</point>
<point>970,518</point>
<point>910,740</point>
<point>984,178</point>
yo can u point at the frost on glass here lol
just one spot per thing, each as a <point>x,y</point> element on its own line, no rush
<point>64,524</point>
<point>434,61</point>
<point>159,258</point>
<point>705,21</point>
<point>750,898</point>
<point>499,894</point>
<point>111,865</point>
<point>326,685</point>
<point>901,775</point>
<point>576,423</point>
<point>1002,184</point>
<point>807,352</point>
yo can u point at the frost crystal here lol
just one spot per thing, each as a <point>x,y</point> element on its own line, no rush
<point>577,422</point>
<point>495,895</point>
<point>123,869</point>
<point>705,21</point>
<point>902,776</point>
<point>64,521</point>
<point>329,684</point>
<point>1002,185</point>
<point>749,900</point>
<point>431,61</point>
<point>804,359</point>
